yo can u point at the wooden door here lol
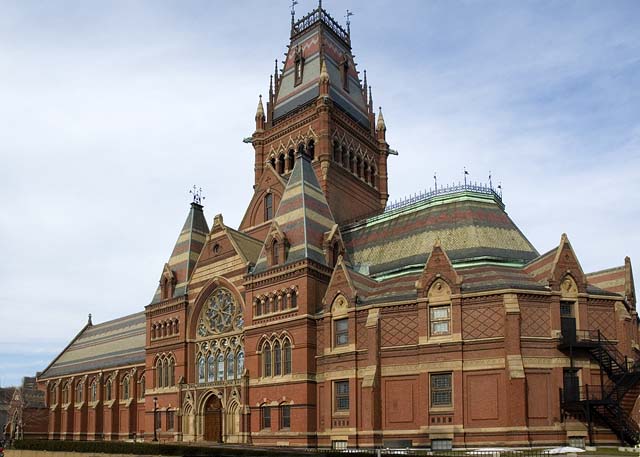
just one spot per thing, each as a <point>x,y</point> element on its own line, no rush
<point>213,420</point>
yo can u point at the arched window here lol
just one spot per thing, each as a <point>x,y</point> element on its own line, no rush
<point>79,392</point>
<point>284,301</point>
<point>281,164</point>
<point>286,349</point>
<point>301,149</point>
<point>220,367</point>
<point>211,368</point>
<point>240,367</point>
<point>311,150</point>
<point>359,167</point>
<point>94,391</point>
<point>65,393</point>
<point>294,298</point>
<point>272,161</point>
<point>266,359</point>
<point>159,379</point>
<point>165,373</point>
<point>345,157</point>
<point>230,366</point>
<point>153,331</point>
<point>275,253</point>
<point>141,387</point>
<point>268,206</point>
<point>336,152</point>
<point>335,253</point>
<point>107,390</point>
<point>53,395</point>
<point>125,388</point>
<point>172,372</point>
<point>201,371</point>
<point>277,358</point>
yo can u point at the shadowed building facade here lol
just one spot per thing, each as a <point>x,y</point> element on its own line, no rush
<point>329,318</point>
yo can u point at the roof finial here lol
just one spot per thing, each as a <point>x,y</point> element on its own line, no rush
<point>89,321</point>
<point>348,15</point>
<point>275,72</point>
<point>197,195</point>
<point>319,4</point>
<point>370,100</point>
<point>365,83</point>
<point>293,11</point>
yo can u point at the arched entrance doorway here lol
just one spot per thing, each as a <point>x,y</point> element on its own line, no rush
<point>213,419</point>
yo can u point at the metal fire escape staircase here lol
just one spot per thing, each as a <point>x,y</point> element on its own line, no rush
<point>610,402</point>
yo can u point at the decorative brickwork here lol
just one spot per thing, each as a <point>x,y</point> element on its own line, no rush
<point>482,322</point>
<point>603,319</point>
<point>399,330</point>
<point>535,320</point>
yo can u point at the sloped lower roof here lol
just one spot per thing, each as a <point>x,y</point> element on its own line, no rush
<point>115,343</point>
<point>611,280</point>
<point>303,216</point>
<point>470,227</point>
<point>186,250</point>
<point>249,247</point>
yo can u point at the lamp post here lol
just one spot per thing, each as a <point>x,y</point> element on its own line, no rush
<point>155,418</point>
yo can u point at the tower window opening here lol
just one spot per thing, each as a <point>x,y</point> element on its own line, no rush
<point>336,152</point>
<point>359,167</point>
<point>345,72</point>
<point>268,206</point>
<point>291,159</point>
<point>281,164</point>
<point>335,254</point>
<point>272,161</point>
<point>311,150</point>
<point>345,157</point>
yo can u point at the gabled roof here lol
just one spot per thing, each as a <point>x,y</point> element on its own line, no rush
<point>317,37</point>
<point>186,250</point>
<point>303,216</point>
<point>471,226</point>
<point>249,248</point>
<point>115,343</point>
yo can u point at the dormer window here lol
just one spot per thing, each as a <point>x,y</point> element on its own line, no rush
<point>298,66</point>
<point>275,253</point>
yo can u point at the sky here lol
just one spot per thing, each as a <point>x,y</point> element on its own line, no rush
<point>111,111</point>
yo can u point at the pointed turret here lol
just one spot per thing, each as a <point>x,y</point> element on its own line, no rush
<point>381,127</point>
<point>302,218</point>
<point>260,115</point>
<point>176,272</point>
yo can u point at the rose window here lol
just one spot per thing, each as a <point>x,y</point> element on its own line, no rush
<point>220,314</point>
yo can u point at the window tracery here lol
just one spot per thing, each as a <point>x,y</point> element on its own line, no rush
<point>220,314</point>
<point>165,371</point>
<point>220,360</point>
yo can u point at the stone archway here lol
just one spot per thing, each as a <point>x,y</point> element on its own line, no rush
<point>212,423</point>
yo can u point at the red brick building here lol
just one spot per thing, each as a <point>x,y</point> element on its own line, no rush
<point>329,318</point>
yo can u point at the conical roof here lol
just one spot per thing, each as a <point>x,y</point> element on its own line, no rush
<point>186,250</point>
<point>318,37</point>
<point>303,216</point>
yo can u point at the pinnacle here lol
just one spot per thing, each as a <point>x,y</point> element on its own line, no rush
<point>260,109</point>
<point>381,125</point>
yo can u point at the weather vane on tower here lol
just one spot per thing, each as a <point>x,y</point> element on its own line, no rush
<point>348,15</point>
<point>197,195</point>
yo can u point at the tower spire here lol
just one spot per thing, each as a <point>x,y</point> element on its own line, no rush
<point>381,127</point>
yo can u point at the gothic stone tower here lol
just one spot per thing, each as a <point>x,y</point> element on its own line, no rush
<point>317,105</point>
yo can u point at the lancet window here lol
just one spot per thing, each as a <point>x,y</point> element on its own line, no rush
<point>276,356</point>
<point>165,370</point>
<point>220,360</point>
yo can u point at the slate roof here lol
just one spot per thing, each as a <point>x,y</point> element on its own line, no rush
<point>303,216</point>
<point>470,227</point>
<point>315,34</point>
<point>186,250</point>
<point>115,343</point>
<point>248,247</point>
